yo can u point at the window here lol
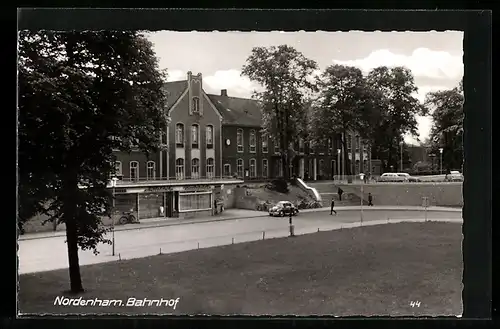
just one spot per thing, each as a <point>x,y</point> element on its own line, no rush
<point>118,168</point>
<point>195,168</point>
<point>329,145</point>
<point>210,136</point>
<point>265,169</point>
<point>195,134</point>
<point>276,146</point>
<point>321,167</point>
<point>179,135</point>
<point>253,141</point>
<point>358,142</point>
<point>239,140</point>
<point>210,167</point>
<point>239,167</point>
<point>227,170</point>
<point>151,170</point>
<point>311,147</point>
<point>349,142</point>
<point>179,168</point>
<point>301,145</point>
<point>196,105</point>
<point>134,170</point>
<point>265,140</point>
<point>195,201</point>
<point>253,168</point>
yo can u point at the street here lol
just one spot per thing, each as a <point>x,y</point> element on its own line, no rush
<point>51,253</point>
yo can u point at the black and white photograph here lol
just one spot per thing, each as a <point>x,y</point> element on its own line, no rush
<point>240,173</point>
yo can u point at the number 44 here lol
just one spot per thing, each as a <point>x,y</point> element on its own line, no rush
<point>415,304</point>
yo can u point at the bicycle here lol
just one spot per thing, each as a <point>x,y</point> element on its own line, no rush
<point>127,218</point>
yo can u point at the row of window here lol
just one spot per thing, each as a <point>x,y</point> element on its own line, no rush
<point>195,135</point>
<point>252,142</point>
<point>252,172</point>
<point>134,170</point>
<point>195,168</point>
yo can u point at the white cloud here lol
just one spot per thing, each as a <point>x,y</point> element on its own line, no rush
<point>236,85</point>
<point>424,124</point>
<point>422,62</point>
<point>176,75</point>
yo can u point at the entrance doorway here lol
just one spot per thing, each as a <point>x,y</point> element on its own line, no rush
<point>333,169</point>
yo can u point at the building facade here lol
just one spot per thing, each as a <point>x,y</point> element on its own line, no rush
<point>216,141</point>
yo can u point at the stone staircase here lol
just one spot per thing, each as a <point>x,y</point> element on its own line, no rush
<point>328,190</point>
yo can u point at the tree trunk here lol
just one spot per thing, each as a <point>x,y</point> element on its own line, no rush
<point>345,154</point>
<point>70,215</point>
<point>286,172</point>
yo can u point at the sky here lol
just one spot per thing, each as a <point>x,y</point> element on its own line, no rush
<point>435,58</point>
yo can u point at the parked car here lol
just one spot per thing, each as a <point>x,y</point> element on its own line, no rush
<point>391,177</point>
<point>283,208</point>
<point>454,176</point>
<point>409,178</point>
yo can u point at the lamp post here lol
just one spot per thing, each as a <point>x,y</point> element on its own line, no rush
<point>113,184</point>
<point>440,160</point>
<point>401,155</point>
<point>338,163</point>
<point>362,195</point>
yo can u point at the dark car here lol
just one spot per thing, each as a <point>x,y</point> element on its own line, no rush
<point>283,208</point>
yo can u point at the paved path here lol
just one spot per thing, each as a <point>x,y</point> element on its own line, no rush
<point>230,214</point>
<point>37,255</point>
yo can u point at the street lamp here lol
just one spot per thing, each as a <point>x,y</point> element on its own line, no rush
<point>440,160</point>
<point>362,176</point>
<point>338,163</point>
<point>401,154</point>
<point>113,184</point>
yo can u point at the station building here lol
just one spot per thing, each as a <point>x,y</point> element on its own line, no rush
<point>212,144</point>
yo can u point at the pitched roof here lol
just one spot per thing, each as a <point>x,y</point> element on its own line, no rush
<point>174,90</point>
<point>238,111</point>
<point>234,110</point>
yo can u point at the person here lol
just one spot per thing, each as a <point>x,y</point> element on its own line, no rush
<point>340,192</point>
<point>370,199</point>
<point>331,209</point>
<point>215,206</point>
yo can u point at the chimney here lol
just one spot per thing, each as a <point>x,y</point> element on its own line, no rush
<point>223,92</point>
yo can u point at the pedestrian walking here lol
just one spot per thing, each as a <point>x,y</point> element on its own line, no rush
<point>340,192</point>
<point>370,200</point>
<point>331,209</point>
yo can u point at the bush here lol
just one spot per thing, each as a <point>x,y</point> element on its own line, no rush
<point>279,185</point>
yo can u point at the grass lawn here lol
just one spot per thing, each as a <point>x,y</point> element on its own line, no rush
<point>373,270</point>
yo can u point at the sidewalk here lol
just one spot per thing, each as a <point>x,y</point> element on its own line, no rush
<point>230,214</point>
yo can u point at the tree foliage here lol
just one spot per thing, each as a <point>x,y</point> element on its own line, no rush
<point>284,73</point>
<point>398,108</point>
<point>447,129</point>
<point>81,95</point>
<point>345,105</point>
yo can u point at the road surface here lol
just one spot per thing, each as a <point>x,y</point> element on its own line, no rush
<point>38,255</point>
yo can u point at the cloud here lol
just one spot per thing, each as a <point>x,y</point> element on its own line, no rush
<point>422,62</point>
<point>236,85</point>
<point>176,75</point>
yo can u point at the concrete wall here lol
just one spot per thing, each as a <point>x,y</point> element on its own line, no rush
<point>410,194</point>
<point>243,201</point>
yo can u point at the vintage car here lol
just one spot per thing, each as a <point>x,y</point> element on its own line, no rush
<point>283,208</point>
<point>454,176</point>
<point>391,177</point>
<point>409,178</point>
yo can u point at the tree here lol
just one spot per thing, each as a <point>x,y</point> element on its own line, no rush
<point>399,109</point>
<point>283,73</point>
<point>81,95</point>
<point>343,106</point>
<point>447,129</point>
